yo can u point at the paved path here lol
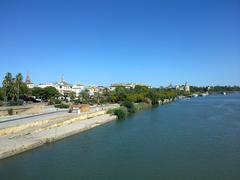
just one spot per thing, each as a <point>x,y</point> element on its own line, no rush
<point>24,119</point>
<point>18,134</point>
<point>14,144</point>
<point>4,123</point>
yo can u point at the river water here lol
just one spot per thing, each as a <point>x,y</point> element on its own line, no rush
<point>197,139</point>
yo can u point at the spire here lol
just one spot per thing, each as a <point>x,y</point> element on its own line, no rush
<point>28,80</point>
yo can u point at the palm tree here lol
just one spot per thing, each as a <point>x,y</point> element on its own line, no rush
<point>18,83</point>
<point>8,86</point>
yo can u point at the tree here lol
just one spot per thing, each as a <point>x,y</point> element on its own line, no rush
<point>8,86</point>
<point>130,106</point>
<point>20,86</point>
<point>72,95</point>
<point>141,89</point>
<point>50,92</point>
<point>18,83</point>
<point>45,93</point>
<point>14,88</point>
<point>97,97</point>
<point>1,94</point>
<point>112,97</point>
<point>121,94</point>
<point>24,90</point>
<point>136,97</point>
<point>84,97</point>
<point>153,96</point>
<point>106,92</point>
<point>38,92</point>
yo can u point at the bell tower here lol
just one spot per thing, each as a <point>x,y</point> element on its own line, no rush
<point>28,80</point>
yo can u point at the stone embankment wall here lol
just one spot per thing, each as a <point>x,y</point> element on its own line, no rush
<point>50,122</point>
<point>12,143</point>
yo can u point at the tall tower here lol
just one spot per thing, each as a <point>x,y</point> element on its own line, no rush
<point>187,88</point>
<point>28,80</point>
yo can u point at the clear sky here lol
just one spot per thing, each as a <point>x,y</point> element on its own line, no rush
<point>105,41</point>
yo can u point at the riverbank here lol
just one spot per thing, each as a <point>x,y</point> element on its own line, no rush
<point>185,137</point>
<point>18,139</point>
<point>22,136</point>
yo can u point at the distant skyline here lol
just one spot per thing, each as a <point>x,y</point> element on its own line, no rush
<point>156,42</point>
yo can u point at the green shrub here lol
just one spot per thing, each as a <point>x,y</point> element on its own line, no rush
<point>57,101</point>
<point>10,111</point>
<point>154,97</point>
<point>1,103</point>
<point>62,106</point>
<point>111,111</point>
<point>121,112</point>
<point>130,106</point>
<point>77,101</point>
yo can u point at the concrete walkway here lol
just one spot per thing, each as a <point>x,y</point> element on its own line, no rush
<point>16,120</point>
<point>34,137</point>
<point>18,134</point>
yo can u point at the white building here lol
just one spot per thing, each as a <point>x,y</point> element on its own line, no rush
<point>63,87</point>
<point>185,88</point>
<point>78,88</point>
<point>44,85</point>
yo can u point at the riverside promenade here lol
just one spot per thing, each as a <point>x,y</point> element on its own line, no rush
<point>19,135</point>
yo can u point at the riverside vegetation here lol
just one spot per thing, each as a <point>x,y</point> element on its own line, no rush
<point>15,92</point>
<point>138,98</point>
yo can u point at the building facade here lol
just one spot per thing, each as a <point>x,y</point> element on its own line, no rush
<point>185,88</point>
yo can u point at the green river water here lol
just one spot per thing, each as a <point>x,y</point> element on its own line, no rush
<point>197,139</point>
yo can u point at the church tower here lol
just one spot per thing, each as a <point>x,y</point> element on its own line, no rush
<point>28,81</point>
<point>187,88</point>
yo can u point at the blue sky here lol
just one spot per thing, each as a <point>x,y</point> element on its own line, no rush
<point>101,42</point>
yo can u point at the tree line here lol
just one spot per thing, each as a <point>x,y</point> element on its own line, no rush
<point>14,90</point>
<point>121,94</point>
<point>13,87</point>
